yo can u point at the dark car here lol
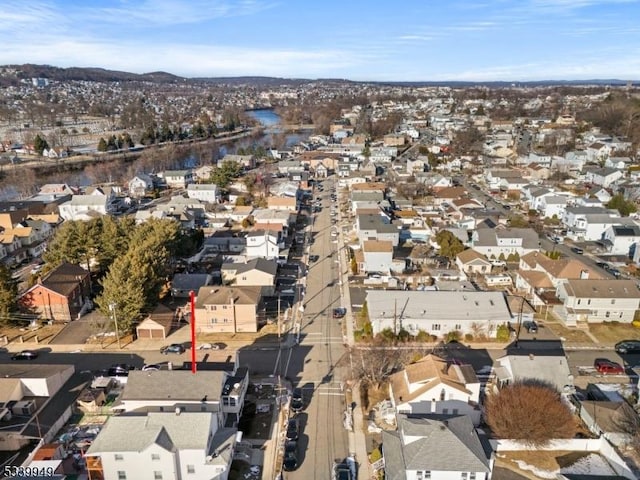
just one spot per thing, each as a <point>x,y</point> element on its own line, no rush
<point>577,250</point>
<point>314,258</point>
<point>290,461</point>
<point>120,370</point>
<point>603,265</point>
<point>173,348</point>
<point>297,402</point>
<point>25,355</point>
<point>532,327</point>
<point>628,346</point>
<point>339,312</point>
<point>607,367</point>
<point>293,429</point>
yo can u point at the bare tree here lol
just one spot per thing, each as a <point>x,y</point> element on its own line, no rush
<point>628,421</point>
<point>530,412</point>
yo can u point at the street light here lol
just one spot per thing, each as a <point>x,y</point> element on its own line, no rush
<point>112,307</point>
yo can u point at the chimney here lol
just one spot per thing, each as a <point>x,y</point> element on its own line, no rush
<point>178,411</point>
<point>584,274</point>
<point>531,356</point>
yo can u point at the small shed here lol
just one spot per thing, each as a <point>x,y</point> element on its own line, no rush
<point>157,324</point>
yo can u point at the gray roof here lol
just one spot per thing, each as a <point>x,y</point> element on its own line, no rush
<point>487,237</point>
<point>438,305</point>
<point>174,385</point>
<point>551,369</point>
<point>190,281</point>
<point>592,288</point>
<point>187,431</point>
<point>203,187</point>
<point>262,264</point>
<point>418,437</point>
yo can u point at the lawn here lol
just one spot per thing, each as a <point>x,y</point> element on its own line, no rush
<point>613,332</point>
<point>569,334</point>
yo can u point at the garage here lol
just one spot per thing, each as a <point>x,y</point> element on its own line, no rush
<point>157,325</point>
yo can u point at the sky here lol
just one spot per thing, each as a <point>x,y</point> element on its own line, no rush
<point>374,40</point>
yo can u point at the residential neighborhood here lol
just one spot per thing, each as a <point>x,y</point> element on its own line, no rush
<point>357,300</point>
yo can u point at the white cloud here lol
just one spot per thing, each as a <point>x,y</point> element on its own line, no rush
<point>16,16</point>
<point>174,12</point>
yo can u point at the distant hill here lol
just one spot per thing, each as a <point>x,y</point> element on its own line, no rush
<point>27,71</point>
<point>90,74</point>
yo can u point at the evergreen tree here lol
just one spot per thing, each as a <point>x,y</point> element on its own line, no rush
<point>8,295</point>
<point>40,144</point>
<point>102,145</point>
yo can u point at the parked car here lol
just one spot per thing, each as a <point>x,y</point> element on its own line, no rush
<point>25,355</point>
<point>212,346</point>
<point>290,461</point>
<point>628,346</point>
<point>297,401</point>
<point>152,367</point>
<point>293,429</point>
<point>120,370</point>
<point>607,367</point>
<point>314,258</point>
<point>532,327</point>
<point>577,250</point>
<point>173,348</point>
<point>339,312</point>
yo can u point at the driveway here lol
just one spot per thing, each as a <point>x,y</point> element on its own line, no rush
<point>77,332</point>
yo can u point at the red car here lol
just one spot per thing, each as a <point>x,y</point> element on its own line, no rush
<point>608,367</point>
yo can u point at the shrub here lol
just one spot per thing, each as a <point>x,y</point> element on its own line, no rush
<point>454,335</point>
<point>468,337</point>
<point>503,334</point>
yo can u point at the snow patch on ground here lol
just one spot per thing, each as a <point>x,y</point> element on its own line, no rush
<point>592,464</point>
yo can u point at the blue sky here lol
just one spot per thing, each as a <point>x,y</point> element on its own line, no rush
<point>412,40</point>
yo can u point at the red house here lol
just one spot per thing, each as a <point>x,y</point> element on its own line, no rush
<point>61,295</point>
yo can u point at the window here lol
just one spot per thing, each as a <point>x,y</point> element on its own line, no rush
<point>472,476</point>
<point>455,411</point>
<point>458,327</point>
<point>157,475</point>
<point>155,456</point>
<point>607,314</point>
<point>445,411</point>
<point>436,327</point>
<point>118,457</point>
<point>463,475</point>
<point>589,302</point>
<point>613,301</point>
<point>122,475</point>
<point>442,395</point>
<point>191,469</point>
<point>579,301</point>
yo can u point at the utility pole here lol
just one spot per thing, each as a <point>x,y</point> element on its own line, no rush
<point>112,307</point>
<point>279,317</point>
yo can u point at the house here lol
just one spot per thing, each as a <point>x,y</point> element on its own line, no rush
<point>374,227</point>
<point>621,239</point>
<point>182,284</point>
<point>262,244</point>
<point>596,301</point>
<point>441,447</point>
<point>177,178</point>
<point>470,261</point>
<point>283,203</point>
<point>377,256</point>
<point>256,272</point>
<point>203,172</point>
<point>61,296</point>
<point>437,312</point>
<point>433,385</point>
<point>205,192</point>
<point>230,309</point>
<point>86,207</point>
<point>551,369</point>
<point>36,402</point>
<point>245,161</point>
<point>551,206</point>
<point>588,223</point>
<point>166,445</point>
<point>505,242</point>
<point>604,177</point>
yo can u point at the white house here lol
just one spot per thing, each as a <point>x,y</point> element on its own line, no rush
<point>140,185</point>
<point>262,243</point>
<point>496,242</point>
<point>86,207</point>
<point>621,239</point>
<point>377,256</point>
<point>434,385</point>
<point>552,369</point>
<point>437,312</point>
<point>177,178</point>
<point>596,301</point>
<point>435,448</point>
<point>172,445</point>
<point>552,205</point>
<point>205,192</point>
<point>605,177</point>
